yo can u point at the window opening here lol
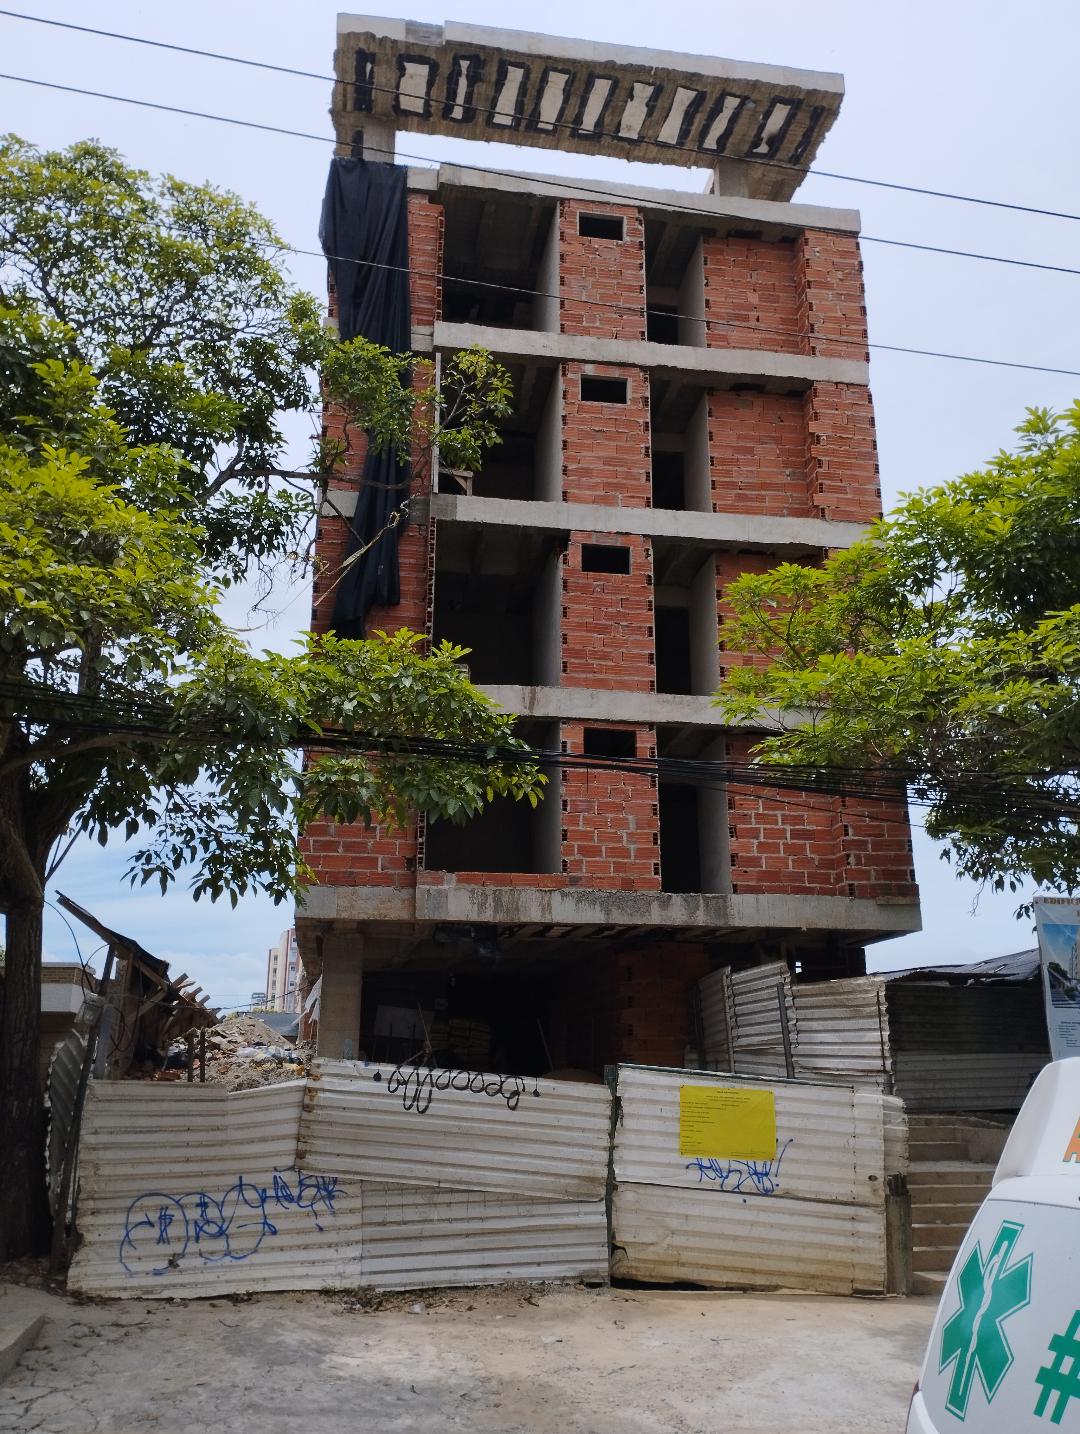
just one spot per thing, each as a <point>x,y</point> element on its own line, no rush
<point>602,390</point>
<point>601,226</point>
<point>609,742</point>
<point>604,558</point>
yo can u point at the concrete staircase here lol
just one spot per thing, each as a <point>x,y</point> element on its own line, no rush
<point>952,1165</point>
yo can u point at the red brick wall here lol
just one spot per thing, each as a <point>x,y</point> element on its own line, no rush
<point>607,618</point>
<point>757,453</point>
<point>629,1005</point>
<point>601,281</point>
<point>876,841</point>
<point>353,855</point>
<point>750,285</point>
<point>841,455</point>
<point>606,447</point>
<point>803,843</point>
<point>611,828</point>
<point>831,299</point>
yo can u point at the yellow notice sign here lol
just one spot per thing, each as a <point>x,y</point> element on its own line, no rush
<point>721,1120</point>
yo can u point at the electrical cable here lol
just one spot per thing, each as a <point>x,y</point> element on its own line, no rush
<point>608,195</point>
<point>557,124</point>
<point>854,783</point>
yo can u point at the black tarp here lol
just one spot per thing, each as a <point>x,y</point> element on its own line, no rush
<point>364,234</point>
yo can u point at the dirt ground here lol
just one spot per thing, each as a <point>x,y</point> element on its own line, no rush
<point>548,1360</point>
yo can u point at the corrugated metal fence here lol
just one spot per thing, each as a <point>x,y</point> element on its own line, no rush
<point>357,1176</point>
<point>838,1030</point>
<point>365,1175</point>
<point>812,1218</point>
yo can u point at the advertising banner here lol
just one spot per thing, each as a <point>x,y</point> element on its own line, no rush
<point>1057,920</point>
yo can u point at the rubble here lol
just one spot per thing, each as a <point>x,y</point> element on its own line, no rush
<point>242,1053</point>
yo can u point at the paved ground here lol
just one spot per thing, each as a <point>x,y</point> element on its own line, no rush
<point>560,1360</point>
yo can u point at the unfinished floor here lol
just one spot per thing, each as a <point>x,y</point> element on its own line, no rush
<point>550,1360</point>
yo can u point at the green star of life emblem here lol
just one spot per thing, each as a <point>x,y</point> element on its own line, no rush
<point>972,1339</point>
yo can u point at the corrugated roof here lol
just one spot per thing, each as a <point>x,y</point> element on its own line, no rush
<point>1020,966</point>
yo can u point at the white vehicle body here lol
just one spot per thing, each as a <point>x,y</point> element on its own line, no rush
<point>1004,1352</point>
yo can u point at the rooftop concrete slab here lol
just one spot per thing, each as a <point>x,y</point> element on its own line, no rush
<point>765,122</point>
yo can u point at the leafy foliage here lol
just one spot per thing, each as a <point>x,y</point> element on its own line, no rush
<point>945,647</point>
<point>149,345</point>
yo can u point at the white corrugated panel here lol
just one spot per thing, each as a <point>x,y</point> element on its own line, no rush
<point>64,1073</point>
<point>537,1139</point>
<point>757,1007</point>
<point>193,1190</point>
<point>896,1136</point>
<point>415,1238</point>
<point>842,1031</point>
<point>965,1080</point>
<point>717,1019</point>
<point>710,1238</point>
<point>830,1141</point>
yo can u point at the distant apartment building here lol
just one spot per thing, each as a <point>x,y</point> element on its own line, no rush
<point>282,973</point>
<point>691,402</point>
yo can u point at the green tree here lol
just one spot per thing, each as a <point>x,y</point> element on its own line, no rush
<point>943,648</point>
<point>149,343</point>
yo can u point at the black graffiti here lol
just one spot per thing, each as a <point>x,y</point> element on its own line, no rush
<point>418,1084</point>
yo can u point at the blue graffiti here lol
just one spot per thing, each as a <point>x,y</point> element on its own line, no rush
<point>759,1177</point>
<point>159,1228</point>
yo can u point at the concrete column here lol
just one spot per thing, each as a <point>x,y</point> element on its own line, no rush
<point>692,300</point>
<point>704,652</point>
<point>697,469</point>
<point>548,815</point>
<point>548,466</point>
<point>339,1006</point>
<point>713,828</point>
<point>547,623</point>
<point>546,309</point>
<point>376,139</point>
<point>731,176</point>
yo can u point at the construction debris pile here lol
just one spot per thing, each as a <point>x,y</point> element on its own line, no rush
<point>241,1053</point>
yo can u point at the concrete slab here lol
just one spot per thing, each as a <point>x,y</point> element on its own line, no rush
<point>549,1360</point>
<point>23,1314</point>
<point>756,126</point>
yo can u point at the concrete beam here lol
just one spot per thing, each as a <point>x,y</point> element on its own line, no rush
<point>594,704</point>
<point>680,360</point>
<point>708,530</point>
<point>777,218</point>
<point>507,905</point>
<point>513,906</point>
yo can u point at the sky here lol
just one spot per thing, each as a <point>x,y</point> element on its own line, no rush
<point>969,97</point>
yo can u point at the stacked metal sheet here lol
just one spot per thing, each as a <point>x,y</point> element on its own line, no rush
<point>843,1032</point>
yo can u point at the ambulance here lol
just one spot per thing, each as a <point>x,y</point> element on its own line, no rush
<point>1004,1352</point>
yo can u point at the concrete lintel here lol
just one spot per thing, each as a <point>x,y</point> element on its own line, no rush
<point>711,530</point>
<point>594,704</point>
<point>677,360</point>
<point>507,905</point>
<point>356,903</point>
<point>782,217</point>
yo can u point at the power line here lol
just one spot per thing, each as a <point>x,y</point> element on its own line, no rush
<point>689,318</point>
<point>605,194</point>
<point>557,124</point>
<point>860,784</point>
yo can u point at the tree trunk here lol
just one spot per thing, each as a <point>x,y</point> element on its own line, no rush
<point>24,1208</point>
